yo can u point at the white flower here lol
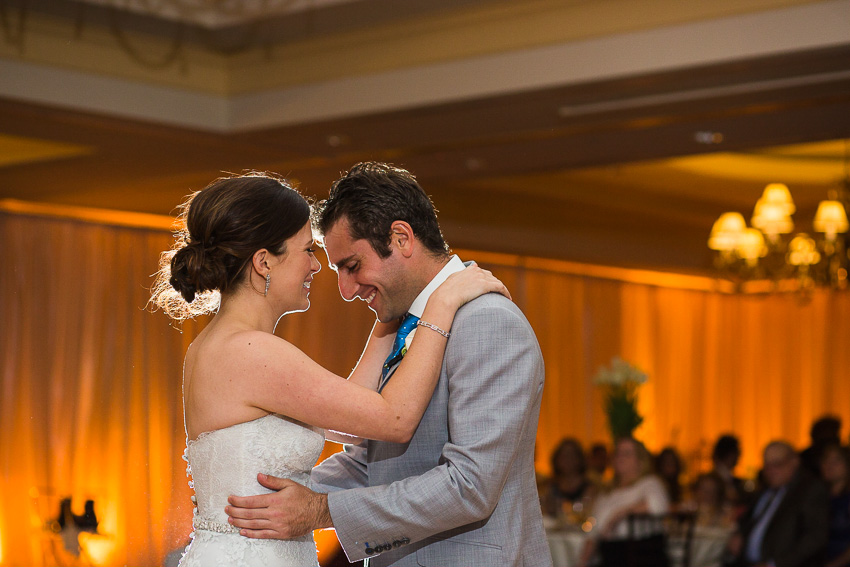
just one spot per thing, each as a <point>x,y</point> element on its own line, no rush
<point>619,373</point>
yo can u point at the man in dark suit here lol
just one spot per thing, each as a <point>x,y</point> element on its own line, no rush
<point>788,524</point>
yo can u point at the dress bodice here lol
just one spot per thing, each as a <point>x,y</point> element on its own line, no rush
<point>225,462</point>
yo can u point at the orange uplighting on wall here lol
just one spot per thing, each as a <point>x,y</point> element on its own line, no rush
<point>98,548</point>
<point>327,544</point>
<point>96,411</point>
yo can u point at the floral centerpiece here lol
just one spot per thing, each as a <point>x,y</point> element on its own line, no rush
<point>620,382</point>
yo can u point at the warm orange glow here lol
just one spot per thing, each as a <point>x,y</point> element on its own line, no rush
<point>726,232</point>
<point>819,168</point>
<point>88,214</point>
<point>326,540</point>
<point>564,267</point>
<point>94,406</point>
<point>327,544</point>
<point>778,195</point>
<point>802,251</point>
<point>771,219</point>
<point>162,222</point>
<point>16,150</point>
<point>751,245</point>
<point>831,219</point>
<point>98,548</point>
<point>772,214</point>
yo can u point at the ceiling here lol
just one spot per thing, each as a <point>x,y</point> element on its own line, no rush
<point>608,132</point>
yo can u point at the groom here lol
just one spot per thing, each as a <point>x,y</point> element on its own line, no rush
<point>462,491</point>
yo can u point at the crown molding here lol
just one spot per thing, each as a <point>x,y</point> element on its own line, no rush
<point>770,33</point>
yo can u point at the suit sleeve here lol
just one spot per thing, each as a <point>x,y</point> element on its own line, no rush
<point>341,471</point>
<point>813,525</point>
<point>495,376</point>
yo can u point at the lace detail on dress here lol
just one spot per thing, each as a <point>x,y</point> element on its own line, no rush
<point>225,462</point>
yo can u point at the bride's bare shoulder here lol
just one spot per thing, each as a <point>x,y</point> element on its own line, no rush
<point>238,337</point>
<point>255,342</point>
<point>231,347</point>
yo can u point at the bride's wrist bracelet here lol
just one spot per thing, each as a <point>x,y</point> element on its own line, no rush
<point>422,323</point>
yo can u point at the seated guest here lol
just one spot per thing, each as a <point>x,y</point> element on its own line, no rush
<point>709,502</point>
<point>597,463</point>
<point>569,488</point>
<point>668,467</point>
<point>825,431</point>
<point>788,524</point>
<point>635,490</point>
<point>835,470</point>
<point>713,521</point>
<point>724,458</point>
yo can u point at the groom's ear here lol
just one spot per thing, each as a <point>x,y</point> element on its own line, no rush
<point>402,238</point>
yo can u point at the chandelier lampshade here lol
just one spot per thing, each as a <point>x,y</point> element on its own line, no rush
<point>831,219</point>
<point>777,194</point>
<point>772,213</point>
<point>726,232</point>
<point>802,251</point>
<point>751,246</point>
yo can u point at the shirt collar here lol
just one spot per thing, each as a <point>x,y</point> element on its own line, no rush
<point>452,266</point>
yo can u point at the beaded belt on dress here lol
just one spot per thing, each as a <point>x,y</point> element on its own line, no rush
<point>210,526</point>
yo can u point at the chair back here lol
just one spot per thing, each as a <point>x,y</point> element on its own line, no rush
<point>660,540</point>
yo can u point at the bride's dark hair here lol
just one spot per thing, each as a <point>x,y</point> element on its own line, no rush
<point>222,226</point>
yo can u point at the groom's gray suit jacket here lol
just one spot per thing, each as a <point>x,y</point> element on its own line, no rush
<point>462,492</point>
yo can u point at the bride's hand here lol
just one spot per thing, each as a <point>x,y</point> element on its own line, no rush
<point>464,286</point>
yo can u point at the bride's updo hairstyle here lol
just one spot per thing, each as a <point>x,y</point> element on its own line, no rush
<point>223,225</point>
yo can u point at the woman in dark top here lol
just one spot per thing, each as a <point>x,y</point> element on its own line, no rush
<point>568,491</point>
<point>668,466</point>
<point>835,469</point>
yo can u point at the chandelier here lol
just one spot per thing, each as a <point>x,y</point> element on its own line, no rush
<point>767,250</point>
<point>226,27</point>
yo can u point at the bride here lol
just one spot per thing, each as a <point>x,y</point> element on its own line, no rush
<point>254,403</point>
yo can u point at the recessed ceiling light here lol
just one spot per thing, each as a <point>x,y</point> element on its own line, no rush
<point>336,140</point>
<point>474,164</point>
<point>708,137</point>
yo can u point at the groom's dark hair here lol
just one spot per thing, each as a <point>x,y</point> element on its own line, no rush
<point>373,195</point>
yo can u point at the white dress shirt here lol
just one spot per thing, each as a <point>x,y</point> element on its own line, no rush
<point>418,306</point>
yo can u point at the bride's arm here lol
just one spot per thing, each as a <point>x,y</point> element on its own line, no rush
<point>457,290</point>
<point>284,380</point>
<point>367,371</point>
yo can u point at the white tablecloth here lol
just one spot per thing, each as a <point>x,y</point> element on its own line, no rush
<point>707,547</point>
<point>565,546</point>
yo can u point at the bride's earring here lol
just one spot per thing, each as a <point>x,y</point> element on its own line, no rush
<point>268,283</point>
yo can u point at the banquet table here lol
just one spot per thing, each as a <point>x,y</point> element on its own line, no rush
<point>707,546</point>
<point>566,544</point>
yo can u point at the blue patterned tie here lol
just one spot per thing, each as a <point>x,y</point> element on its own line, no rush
<point>407,325</point>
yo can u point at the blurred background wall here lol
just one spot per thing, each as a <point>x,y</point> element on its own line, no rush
<point>91,379</point>
<point>582,150</point>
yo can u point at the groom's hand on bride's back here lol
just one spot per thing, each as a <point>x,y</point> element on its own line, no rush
<point>292,511</point>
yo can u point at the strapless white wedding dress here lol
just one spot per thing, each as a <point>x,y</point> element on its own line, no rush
<point>225,462</point>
